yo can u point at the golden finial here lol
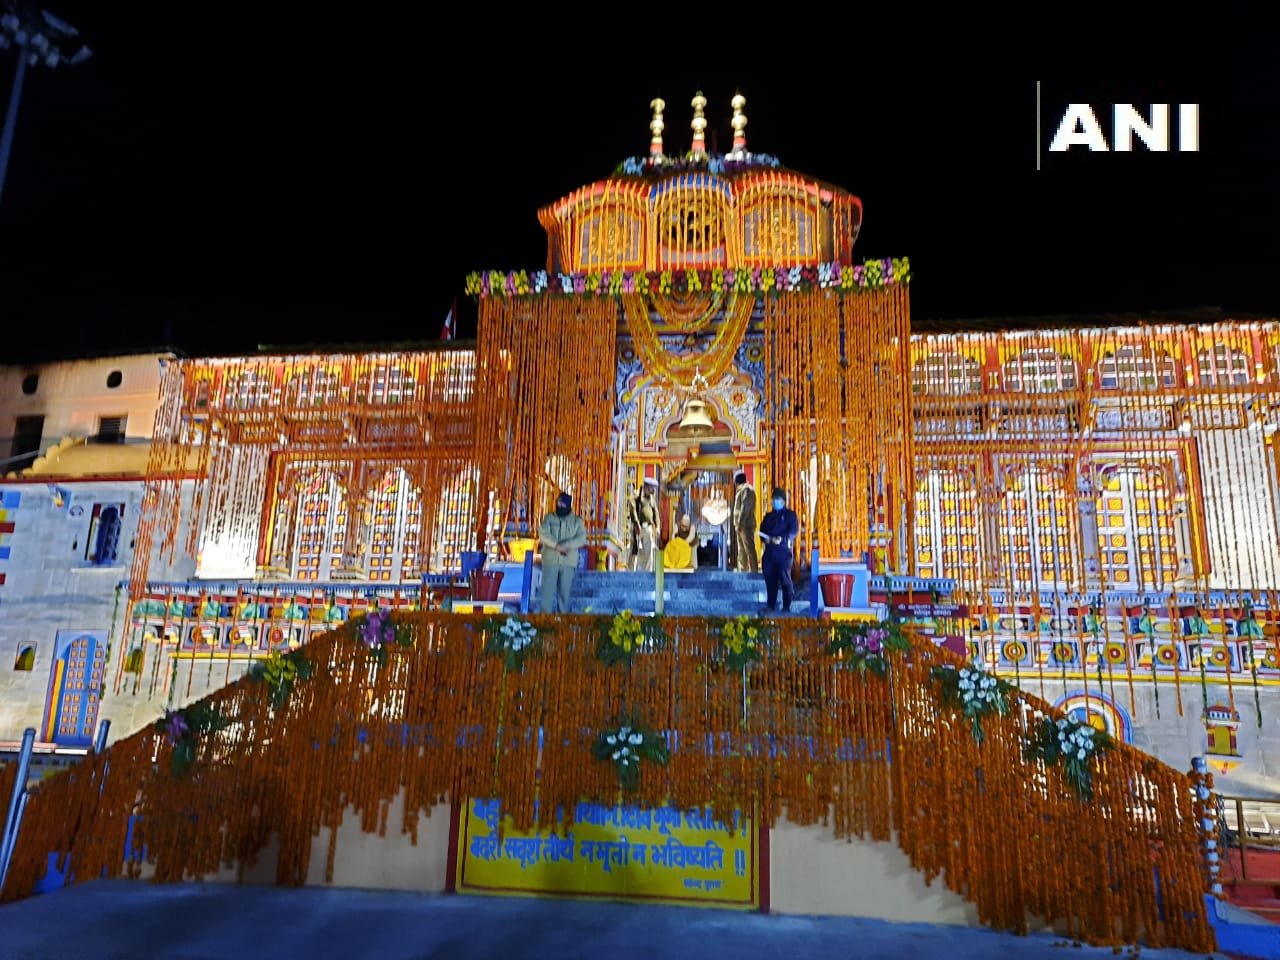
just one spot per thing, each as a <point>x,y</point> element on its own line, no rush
<point>655,143</point>
<point>739,124</point>
<point>699,127</point>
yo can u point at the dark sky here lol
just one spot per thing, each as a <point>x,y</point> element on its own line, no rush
<point>218,178</point>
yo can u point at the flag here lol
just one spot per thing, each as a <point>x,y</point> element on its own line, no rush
<point>450,323</point>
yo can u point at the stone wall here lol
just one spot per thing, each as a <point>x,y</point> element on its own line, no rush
<point>50,589</point>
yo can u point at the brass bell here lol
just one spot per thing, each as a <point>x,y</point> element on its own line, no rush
<point>696,421</point>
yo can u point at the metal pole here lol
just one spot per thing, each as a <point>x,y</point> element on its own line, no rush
<point>9,839</point>
<point>11,118</point>
<point>1240,838</point>
<point>658,599</point>
<point>100,741</point>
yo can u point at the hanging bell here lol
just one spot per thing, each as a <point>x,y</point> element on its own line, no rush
<point>696,421</point>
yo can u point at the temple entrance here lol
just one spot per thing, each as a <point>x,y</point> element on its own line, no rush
<point>697,493</point>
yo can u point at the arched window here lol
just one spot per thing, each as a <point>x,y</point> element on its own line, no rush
<point>948,525</point>
<point>1039,533</point>
<point>390,527</point>
<point>319,519</point>
<point>1040,371</point>
<point>1223,366</point>
<point>102,545</point>
<point>385,382</point>
<point>316,387</point>
<point>1137,548</point>
<point>248,389</point>
<point>1135,368</point>
<point>394,516</point>
<point>945,374</point>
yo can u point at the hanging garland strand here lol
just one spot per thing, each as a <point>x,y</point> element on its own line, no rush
<point>289,763</point>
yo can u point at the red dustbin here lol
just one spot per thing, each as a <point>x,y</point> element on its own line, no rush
<point>485,584</point>
<point>837,589</point>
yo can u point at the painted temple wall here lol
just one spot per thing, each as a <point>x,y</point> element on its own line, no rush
<point>810,871</point>
<point>50,593</point>
<point>1239,510</point>
<point>1243,740</point>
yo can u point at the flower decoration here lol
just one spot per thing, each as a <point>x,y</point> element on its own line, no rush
<point>513,640</point>
<point>1070,744</point>
<point>626,745</point>
<point>741,641</point>
<point>863,645</point>
<point>625,635</point>
<point>1063,652</point>
<point>975,692</point>
<point>378,633</point>
<point>872,275</point>
<point>182,729</point>
<point>280,672</point>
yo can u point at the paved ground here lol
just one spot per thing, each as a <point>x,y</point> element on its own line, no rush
<point>123,920</point>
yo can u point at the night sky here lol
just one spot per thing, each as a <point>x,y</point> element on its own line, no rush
<point>215,180</point>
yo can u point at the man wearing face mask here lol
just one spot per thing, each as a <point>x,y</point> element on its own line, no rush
<point>562,534</point>
<point>778,530</point>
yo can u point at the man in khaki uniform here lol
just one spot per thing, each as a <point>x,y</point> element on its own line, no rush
<point>562,534</point>
<point>744,525</point>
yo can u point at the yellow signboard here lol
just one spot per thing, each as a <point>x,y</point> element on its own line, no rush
<point>621,853</point>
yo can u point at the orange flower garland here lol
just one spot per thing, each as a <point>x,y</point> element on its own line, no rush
<point>308,769</point>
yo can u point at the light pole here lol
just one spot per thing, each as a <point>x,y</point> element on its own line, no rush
<point>34,35</point>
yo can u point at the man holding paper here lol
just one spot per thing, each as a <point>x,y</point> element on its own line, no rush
<point>779,530</point>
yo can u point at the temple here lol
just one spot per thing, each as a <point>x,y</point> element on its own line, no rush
<point>1089,507</point>
<point>1072,500</point>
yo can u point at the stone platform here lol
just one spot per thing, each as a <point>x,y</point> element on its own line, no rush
<point>706,593</point>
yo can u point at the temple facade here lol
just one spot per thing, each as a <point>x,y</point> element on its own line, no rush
<point>1091,508</point>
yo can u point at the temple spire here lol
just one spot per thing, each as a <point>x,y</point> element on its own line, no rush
<point>656,126</point>
<point>739,124</point>
<point>699,125</point>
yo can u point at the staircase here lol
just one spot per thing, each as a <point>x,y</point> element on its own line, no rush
<point>704,593</point>
<point>1257,889</point>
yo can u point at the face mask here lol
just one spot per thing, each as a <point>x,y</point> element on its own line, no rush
<point>562,510</point>
<point>778,503</point>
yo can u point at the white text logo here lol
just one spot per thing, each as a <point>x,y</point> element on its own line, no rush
<point>1080,128</point>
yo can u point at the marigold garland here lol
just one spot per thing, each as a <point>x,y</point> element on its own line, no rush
<point>870,275</point>
<point>802,741</point>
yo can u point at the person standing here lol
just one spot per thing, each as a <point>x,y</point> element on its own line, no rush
<point>744,525</point>
<point>779,530</point>
<point>644,526</point>
<point>562,534</point>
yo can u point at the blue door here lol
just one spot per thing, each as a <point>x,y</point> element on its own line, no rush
<point>76,687</point>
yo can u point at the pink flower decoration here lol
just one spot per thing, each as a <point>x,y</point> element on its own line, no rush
<point>176,726</point>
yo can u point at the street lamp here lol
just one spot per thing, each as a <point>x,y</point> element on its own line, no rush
<point>34,35</point>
